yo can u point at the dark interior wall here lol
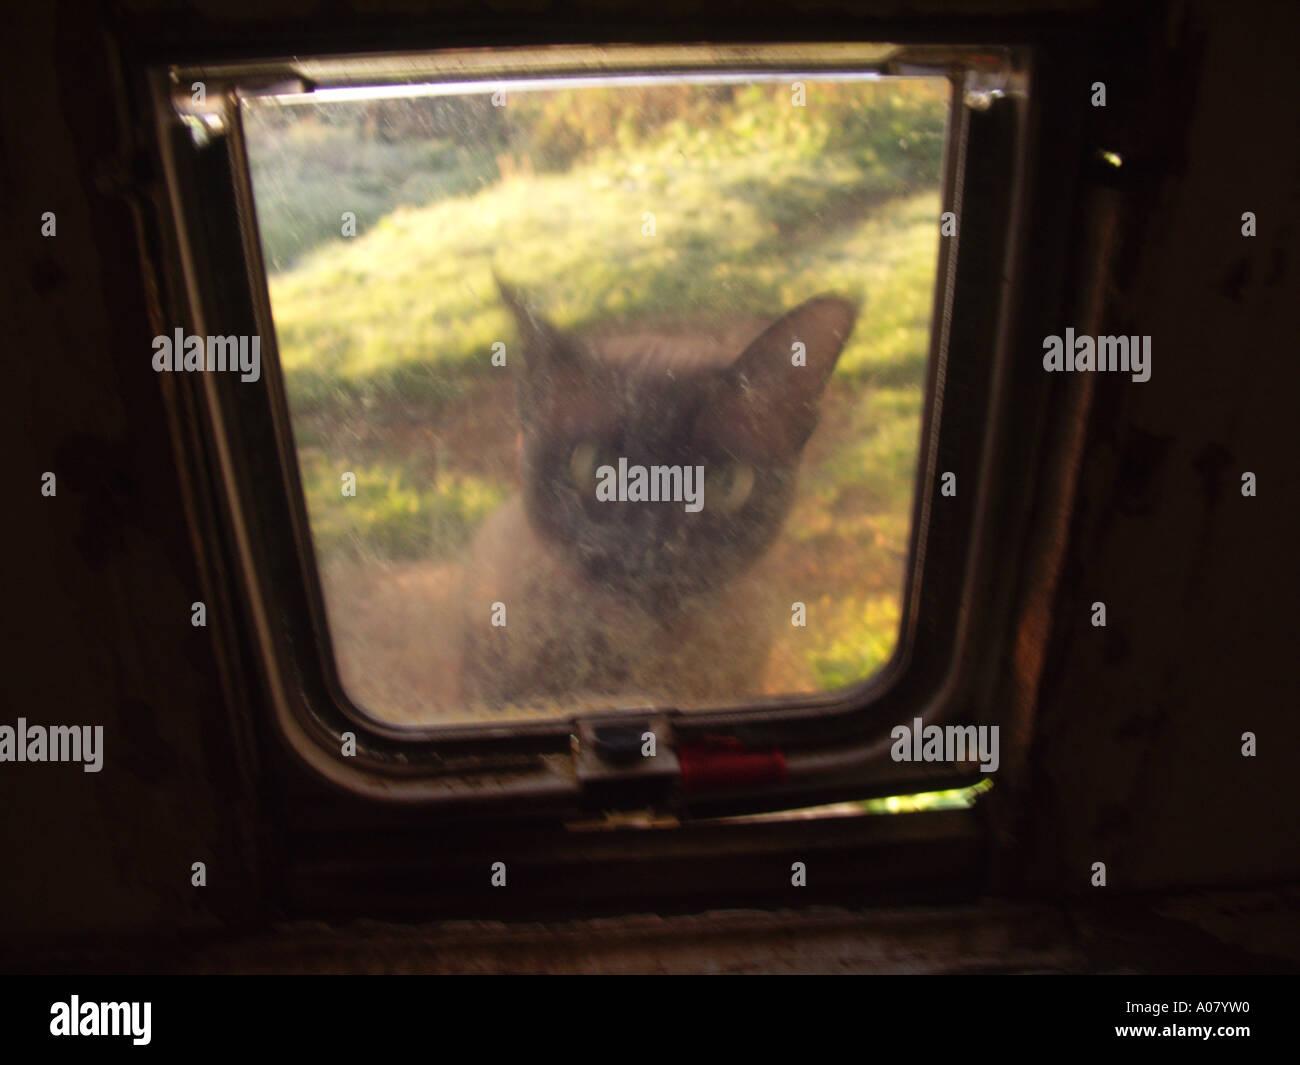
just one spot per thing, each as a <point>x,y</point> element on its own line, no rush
<point>1136,760</point>
<point>99,578</point>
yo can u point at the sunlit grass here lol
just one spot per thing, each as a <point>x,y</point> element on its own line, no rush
<point>395,513</point>
<point>417,288</point>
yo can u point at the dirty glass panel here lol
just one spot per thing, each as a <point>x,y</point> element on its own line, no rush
<point>607,394</point>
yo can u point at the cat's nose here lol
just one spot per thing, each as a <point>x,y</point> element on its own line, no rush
<point>663,535</point>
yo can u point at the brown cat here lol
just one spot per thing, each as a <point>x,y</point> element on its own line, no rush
<point>608,596</point>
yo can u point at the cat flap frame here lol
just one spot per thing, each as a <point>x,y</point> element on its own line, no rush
<point>249,521</point>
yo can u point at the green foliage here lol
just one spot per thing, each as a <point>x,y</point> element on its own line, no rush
<point>859,636</point>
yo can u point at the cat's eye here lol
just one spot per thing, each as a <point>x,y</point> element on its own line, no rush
<point>728,485</point>
<point>583,462</point>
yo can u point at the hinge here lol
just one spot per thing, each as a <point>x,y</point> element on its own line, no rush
<point>203,103</point>
<point>992,77</point>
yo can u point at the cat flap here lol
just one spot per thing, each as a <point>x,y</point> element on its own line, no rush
<point>767,400</point>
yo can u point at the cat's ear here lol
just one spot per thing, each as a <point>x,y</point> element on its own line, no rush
<point>770,396</point>
<point>544,346</point>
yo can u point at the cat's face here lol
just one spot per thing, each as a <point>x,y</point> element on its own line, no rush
<point>743,416</point>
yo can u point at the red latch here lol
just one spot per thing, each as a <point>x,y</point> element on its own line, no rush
<point>724,762</point>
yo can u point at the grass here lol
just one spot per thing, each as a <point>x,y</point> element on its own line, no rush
<point>315,173</point>
<point>754,226</point>
<point>396,512</point>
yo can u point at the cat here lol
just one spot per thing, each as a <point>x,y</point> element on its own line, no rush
<point>609,601</point>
